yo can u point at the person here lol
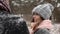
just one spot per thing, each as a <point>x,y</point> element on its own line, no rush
<point>4,10</point>
<point>13,24</point>
<point>10,23</point>
<point>41,22</point>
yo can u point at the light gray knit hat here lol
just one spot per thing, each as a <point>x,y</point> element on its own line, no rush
<point>44,10</point>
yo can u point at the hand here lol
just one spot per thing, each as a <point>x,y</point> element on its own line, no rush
<point>34,26</point>
<point>30,30</point>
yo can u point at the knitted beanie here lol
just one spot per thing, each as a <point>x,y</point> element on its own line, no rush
<point>44,10</point>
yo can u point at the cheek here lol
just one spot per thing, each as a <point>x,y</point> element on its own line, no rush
<point>37,17</point>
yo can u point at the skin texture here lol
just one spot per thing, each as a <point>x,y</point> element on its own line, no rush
<point>37,18</point>
<point>37,21</point>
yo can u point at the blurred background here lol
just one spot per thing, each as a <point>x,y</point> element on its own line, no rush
<point>25,7</point>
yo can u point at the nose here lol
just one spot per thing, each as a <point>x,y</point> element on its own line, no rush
<point>34,16</point>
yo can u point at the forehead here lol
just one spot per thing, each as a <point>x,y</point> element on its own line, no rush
<point>35,13</point>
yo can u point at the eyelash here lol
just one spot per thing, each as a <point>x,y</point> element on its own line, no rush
<point>35,14</point>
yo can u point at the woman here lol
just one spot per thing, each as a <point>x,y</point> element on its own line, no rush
<point>41,19</point>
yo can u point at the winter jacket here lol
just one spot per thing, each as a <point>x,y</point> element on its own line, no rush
<point>42,31</point>
<point>12,24</point>
<point>44,27</point>
<point>46,24</point>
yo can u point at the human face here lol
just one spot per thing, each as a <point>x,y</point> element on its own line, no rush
<point>37,17</point>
